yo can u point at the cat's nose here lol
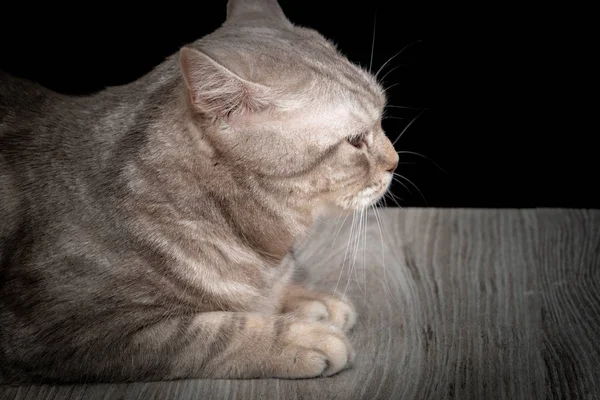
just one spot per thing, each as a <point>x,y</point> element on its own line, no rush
<point>389,157</point>
<point>391,161</point>
<point>393,166</point>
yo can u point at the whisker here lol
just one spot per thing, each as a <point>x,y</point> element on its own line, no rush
<point>421,155</point>
<point>362,227</point>
<point>364,249</point>
<point>352,269</point>
<point>383,201</point>
<point>390,71</point>
<point>406,127</point>
<point>340,227</point>
<point>415,186</point>
<point>373,40</point>
<point>384,113</point>
<point>379,205</point>
<point>393,199</point>
<point>392,117</point>
<point>394,56</point>
<point>345,253</point>
<point>378,219</point>
<point>401,183</point>
<point>392,195</point>
<point>391,86</point>
<point>338,218</point>
<point>405,107</point>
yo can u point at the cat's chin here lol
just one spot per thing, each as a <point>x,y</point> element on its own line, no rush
<point>368,196</point>
<point>364,199</point>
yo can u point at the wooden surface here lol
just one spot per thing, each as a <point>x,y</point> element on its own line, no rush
<point>457,304</point>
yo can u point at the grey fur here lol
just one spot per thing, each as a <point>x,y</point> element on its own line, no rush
<point>146,230</point>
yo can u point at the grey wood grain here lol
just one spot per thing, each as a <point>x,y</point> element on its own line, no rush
<point>453,304</point>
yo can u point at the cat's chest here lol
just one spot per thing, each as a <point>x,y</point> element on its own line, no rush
<point>229,276</point>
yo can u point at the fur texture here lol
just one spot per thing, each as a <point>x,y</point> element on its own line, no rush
<point>147,229</point>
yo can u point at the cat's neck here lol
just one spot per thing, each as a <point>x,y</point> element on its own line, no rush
<point>201,185</point>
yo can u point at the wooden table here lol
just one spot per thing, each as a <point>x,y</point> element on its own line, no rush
<point>453,303</point>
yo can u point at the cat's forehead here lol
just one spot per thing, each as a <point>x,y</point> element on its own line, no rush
<point>274,41</point>
<point>300,60</point>
<point>261,45</point>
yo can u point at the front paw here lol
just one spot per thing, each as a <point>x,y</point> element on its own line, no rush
<point>317,306</point>
<point>314,349</point>
<point>341,313</point>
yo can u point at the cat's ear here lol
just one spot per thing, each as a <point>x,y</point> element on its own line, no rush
<point>215,90</point>
<point>253,9</point>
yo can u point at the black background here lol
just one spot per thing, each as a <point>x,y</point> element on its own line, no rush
<point>504,89</point>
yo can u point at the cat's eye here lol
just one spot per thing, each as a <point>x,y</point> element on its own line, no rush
<point>358,141</point>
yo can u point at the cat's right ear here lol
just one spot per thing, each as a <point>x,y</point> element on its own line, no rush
<point>253,9</point>
<point>216,91</point>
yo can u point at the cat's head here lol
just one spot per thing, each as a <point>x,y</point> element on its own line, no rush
<point>280,101</point>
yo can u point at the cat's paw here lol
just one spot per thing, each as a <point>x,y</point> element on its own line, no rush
<point>322,307</point>
<point>341,313</point>
<point>313,349</point>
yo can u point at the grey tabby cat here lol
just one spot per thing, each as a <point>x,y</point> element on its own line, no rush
<point>146,230</point>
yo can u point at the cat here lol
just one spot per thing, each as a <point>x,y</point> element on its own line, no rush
<point>148,229</point>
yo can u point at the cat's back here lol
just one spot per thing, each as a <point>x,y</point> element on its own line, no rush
<point>38,129</point>
<point>22,102</point>
<point>22,106</point>
<point>61,155</point>
<point>28,126</point>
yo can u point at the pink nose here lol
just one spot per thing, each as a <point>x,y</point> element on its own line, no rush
<point>393,165</point>
<point>389,157</point>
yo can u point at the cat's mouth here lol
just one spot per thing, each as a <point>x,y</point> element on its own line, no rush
<point>370,195</point>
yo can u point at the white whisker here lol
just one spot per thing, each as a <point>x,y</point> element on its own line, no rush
<point>415,186</point>
<point>364,260</point>
<point>357,247</point>
<point>401,183</point>
<point>394,56</point>
<point>358,239</point>
<point>384,200</point>
<point>392,117</point>
<point>406,127</point>
<point>406,107</point>
<point>421,155</point>
<point>361,227</point>
<point>377,217</point>
<point>391,86</point>
<point>379,205</point>
<point>346,252</point>
<point>390,71</point>
<point>340,227</point>
<point>373,41</point>
<point>391,196</point>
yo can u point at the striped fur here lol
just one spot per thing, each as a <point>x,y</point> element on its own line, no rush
<point>147,229</point>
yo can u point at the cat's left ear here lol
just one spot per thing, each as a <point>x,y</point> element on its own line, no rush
<point>218,92</point>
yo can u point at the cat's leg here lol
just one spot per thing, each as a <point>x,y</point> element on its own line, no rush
<point>252,345</point>
<point>229,345</point>
<point>318,306</point>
